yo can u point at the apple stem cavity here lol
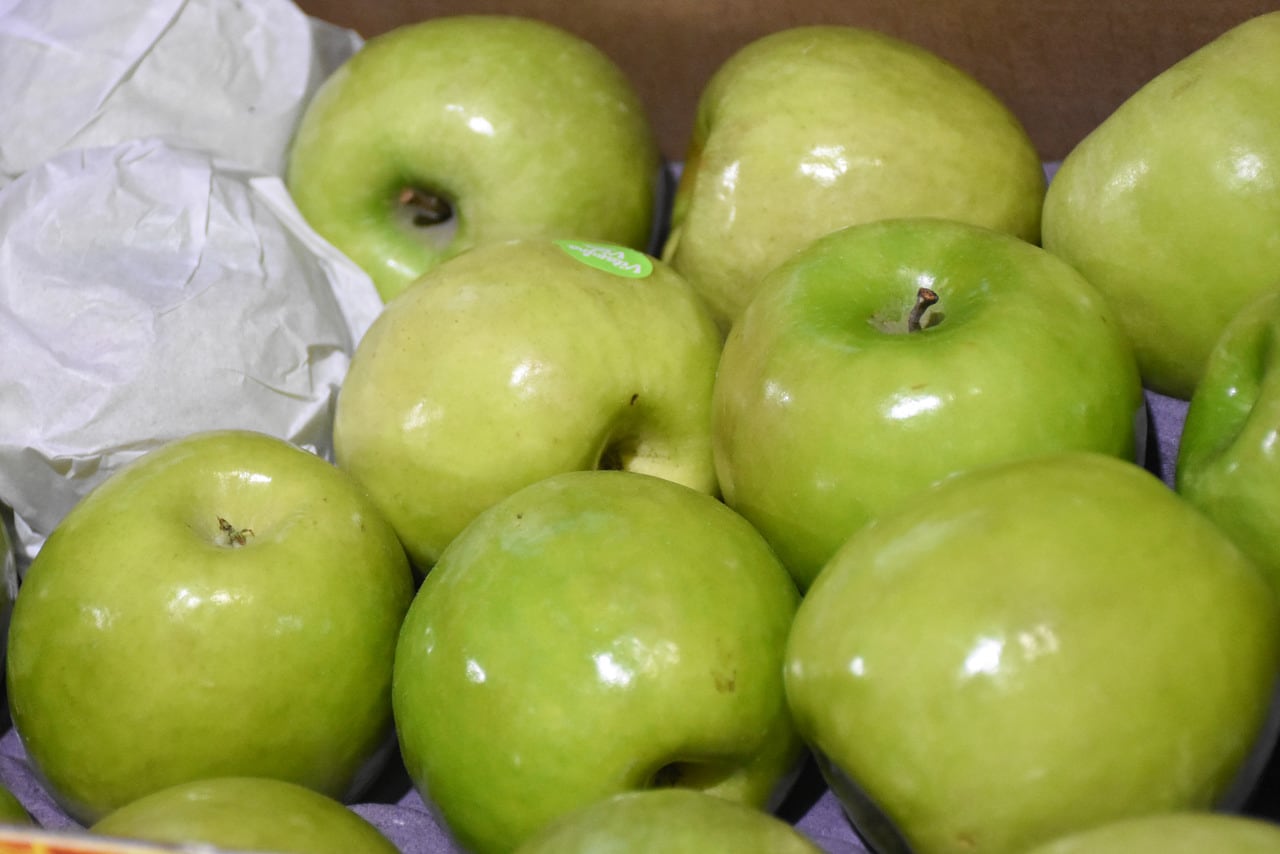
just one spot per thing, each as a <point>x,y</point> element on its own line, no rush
<point>925,298</point>
<point>230,536</point>
<point>424,209</point>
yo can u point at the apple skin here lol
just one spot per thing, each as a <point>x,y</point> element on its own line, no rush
<point>146,649</point>
<point>1169,206</point>
<point>1172,833</point>
<point>659,821</point>
<point>813,128</point>
<point>1228,461</point>
<point>245,814</point>
<point>11,809</point>
<point>514,362</point>
<point>1000,663</point>
<point>594,633</point>
<point>525,130</point>
<point>827,412</point>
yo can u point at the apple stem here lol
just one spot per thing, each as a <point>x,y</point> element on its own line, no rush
<point>925,298</point>
<point>231,535</point>
<point>427,208</point>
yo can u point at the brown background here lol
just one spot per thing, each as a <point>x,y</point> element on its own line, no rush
<point>1061,65</point>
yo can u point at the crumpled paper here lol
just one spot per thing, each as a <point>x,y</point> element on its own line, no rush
<point>147,292</point>
<point>229,77</point>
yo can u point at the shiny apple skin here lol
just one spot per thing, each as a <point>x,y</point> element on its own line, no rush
<point>662,821</point>
<point>245,814</point>
<point>515,362</point>
<point>1170,206</point>
<point>813,128</point>
<point>826,414</point>
<point>146,651</point>
<point>1229,451</point>
<point>526,129</point>
<point>1184,832</point>
<point>597,632</point>
<point>1036,648</point>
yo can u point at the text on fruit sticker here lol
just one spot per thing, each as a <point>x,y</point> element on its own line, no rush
<point>618,260</point>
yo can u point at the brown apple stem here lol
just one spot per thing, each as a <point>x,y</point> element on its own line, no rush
<point>925,297</point>
<point>233,536</point>
<point>427,209</point>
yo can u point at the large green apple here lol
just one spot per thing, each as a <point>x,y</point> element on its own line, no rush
<point>1183,832</point>
<point>1229,453</point>
<point>245,814</point>
<point>594,633</point>
<point>843,389</point>
<point>664,821</point>
<point>455,131</point>
<point>518,360</point>
<point>1170,206</point>
<point>1032,649</point>
<point>226,605</point>
<point>813,128</point>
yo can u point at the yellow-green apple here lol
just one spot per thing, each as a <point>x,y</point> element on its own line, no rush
<point>245,814</point>
<point>454,131</point>
<point>1229,451</point>
<point>888,355</point>
<point>813,128</point>
<point>226,605</point>
<point>596,632</point>
<point>11,809</point>
<point>659,821</point>
<point>1170,205</point>
<point>1182,832</point>
<point>518,360</point>
<point>1031,649</point>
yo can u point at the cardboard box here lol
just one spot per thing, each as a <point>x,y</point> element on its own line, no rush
<point>1061,66</point>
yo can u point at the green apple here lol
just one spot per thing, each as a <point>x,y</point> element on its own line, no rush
<point>518,360</point>
<point>1172,833</point>
<point>459,130</point>
<point>1228,461</point>
<point>813,128</point>
<point>11,809</point>
<point>1031,649</point>
<point>664,821</point>
<point>596,632</point>
<point>1170,205</point>
<point>843,390</point>
<point>226,605</point>
<point>245,814</point>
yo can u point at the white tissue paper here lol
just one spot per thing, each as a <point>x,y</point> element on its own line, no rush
<point>228,76</point>
<point>148,292</point>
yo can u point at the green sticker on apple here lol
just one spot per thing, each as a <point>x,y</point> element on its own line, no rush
<point>618,260</point>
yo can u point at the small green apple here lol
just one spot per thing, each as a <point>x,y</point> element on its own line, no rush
<point>518,360</point>
<point>1031,649</point>
<point>843,389</point>
<point>459,130</point>
<point>1229,453</point>
<point>227,604</point>
<point>813,128</point>
<point>1170,205</point>
<point>245,814</point>
<point>665,821</point>
<point>1172,833</point>
<point>11,809</point>
<point>596,632</point>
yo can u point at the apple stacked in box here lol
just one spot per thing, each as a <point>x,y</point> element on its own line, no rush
<point>850,474</point>
<point>456,131</point>
<point>1171,205</point>
<point>813,128</point>
<point>226,605</point>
